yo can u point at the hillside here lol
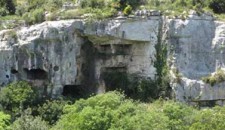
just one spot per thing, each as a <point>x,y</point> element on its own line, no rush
<point>112,64</point>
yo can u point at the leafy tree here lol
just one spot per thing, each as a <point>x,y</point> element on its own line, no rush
<point>29,122</point>
<point>10,5</point>
<point>218,6</point>
<point>17,95</point>
<point>51,111</point>
<point>209,119</point>
<point>180,115</point>
<point>127,10</point>
<point>4,121</point>
<point>110,111</point>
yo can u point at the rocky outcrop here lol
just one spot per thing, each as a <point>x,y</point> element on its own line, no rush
<point>73,55</point>
<point>196,51</point>
<point>64,54</point>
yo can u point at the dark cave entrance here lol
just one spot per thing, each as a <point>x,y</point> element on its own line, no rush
<point>115,78</point>
<point>73,91</point>
<point>14,71</point>
<point>36,74</point>
<point>206,103</point>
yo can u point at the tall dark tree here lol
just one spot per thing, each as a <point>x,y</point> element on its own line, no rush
<point>10,5</point>
<point>218,6</point>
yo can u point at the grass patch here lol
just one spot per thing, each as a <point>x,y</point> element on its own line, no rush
<point>218,77</point>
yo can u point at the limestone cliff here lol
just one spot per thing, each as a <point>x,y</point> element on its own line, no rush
<point>59,56</point>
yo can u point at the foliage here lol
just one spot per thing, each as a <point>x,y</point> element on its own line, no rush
<point>4,121</point>
<point>218,77</point>
<point>17,95</point>
<point>180,115</point>
<point>218,6</point>
<point>33,10</point>
<point>51,111</point>
<point>7,7</point>
<point>109,111</point>
<point>29,122</point>
<point>10,5</point>
<point>35,16</point>
<point>133,85</point>
<point>162,86</point>
<point>209,119</point>
<point>179,6</point>
<point>92,3</point>
<point>127,10</point>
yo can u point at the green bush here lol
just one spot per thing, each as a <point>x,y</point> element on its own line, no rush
<point>110,111</point>
<point>134,86</point>
<point>28,122</point>
<point>209,119</point>
<point>3,11</point>
<point>180,115</point>
<point>92,3</point>
<point>4,121</point>
<point>51,111</point>
<point>7,7</point>
<point>218,6</point>
<point>17,95</point>
<point>218,77</point>
<point>35,16</point>
<point>127,10</point>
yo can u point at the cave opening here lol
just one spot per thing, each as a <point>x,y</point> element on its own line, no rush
<point>115,78</point>
<point>36,74</point>
<point>207,103</point>
<point>73,91</point>
<point>14,71</point>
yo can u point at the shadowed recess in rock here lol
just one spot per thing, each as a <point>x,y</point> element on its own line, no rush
<point>14,71</point>
<point>73,91</point>
<point>36,74</point>
<point>115,78</point>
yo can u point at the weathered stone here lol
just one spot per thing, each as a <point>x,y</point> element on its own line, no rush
<point>196,46</point>
<point>73,53</point>
<point>55,54</point>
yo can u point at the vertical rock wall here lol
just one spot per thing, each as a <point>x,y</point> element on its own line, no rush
<point>74,54</point>
<point>196,51</point>
<point>64,56</point>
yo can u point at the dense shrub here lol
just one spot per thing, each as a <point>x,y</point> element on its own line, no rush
<point>92,3</point>
<point>35,16</point>
<point>28,122</point>
<point>10,5</point>
<point>127,10</point>
<point>218,6</point>
<point>17,95</point>
<point>134,86</point>
<point>209,119</point>
<point>4,121</point>
<point>110,111</point>
<point>7,7</point>
<point>180,115</point>
<point>218,77</point>
<point>51,111</point>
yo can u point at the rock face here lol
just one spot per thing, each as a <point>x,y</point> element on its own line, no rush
<point>64,56</point>
<point>196,50</point>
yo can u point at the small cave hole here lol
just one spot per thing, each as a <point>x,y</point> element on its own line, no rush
<point>14,71</point>
<point>56,68</point>
<point>7,76</point>
<point>34,74</point>
<point>74,91</point>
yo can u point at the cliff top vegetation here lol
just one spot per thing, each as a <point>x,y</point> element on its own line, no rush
<point>36,11</point>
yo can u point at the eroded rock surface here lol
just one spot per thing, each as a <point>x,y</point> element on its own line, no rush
<point>196,51</point>
<point>61,56</point>
<point>72,53</point>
